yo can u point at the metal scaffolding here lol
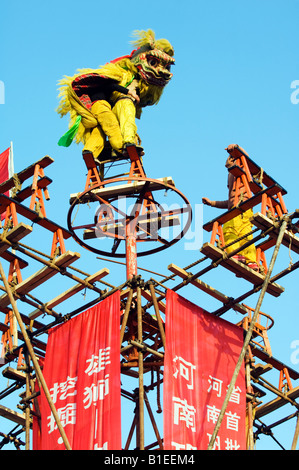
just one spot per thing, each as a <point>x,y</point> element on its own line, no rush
<point>142,332</point>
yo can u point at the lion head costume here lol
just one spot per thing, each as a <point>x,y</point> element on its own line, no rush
<point>145,72</point>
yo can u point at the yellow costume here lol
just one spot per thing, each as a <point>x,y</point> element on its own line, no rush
<point>101,101</point>
<point>236,228</point>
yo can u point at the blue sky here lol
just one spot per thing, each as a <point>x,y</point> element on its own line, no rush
<point>236,63</point>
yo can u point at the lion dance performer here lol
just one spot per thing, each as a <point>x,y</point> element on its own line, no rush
<point>238,227</point>
<point>105,102</point>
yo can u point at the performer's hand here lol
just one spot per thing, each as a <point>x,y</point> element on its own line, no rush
<point>206,201</point>
<point>134,95</point>
<point>230,161</point>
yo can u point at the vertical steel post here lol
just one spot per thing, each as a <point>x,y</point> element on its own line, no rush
<point>131,254</point>
<point>249,389</point>
<point>140,368</point>
<point>27,405</point>
<point>296,435</point>
<point>126,315</point>
<point>157,311</point>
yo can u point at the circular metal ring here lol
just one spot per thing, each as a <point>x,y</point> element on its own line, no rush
<point>90,195</point>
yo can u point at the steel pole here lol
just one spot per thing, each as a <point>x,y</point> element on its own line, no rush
<point>140,371</point>
<point>131,255</point>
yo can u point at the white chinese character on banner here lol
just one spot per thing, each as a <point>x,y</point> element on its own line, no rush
<point>66,386</point>
<point>184,412</point>
<point>184,369</point>
<point>186,446</point>
<point>67,415</point>
<point>232,421</point>
<point>235,395</point>
<point>216,385</point>
<point>60,391</point>
<point>212,414</point>
<point>54,392</point>
<point>230,445</point>
<point>96,392</point>
<point>104,447</point>
<point>98,362</point>
<point>216,445</point>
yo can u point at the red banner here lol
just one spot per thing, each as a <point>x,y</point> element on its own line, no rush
<point>5,165</point>
<point>200,358</point>
<point>82,371</point>
<point>6,169</point>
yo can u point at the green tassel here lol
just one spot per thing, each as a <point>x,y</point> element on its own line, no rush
<point>67,138</point>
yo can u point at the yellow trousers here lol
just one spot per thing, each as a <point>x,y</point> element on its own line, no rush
<point>117,124</point>
<point>236,228</point>
<point>108,126</point>
<point>125,112</point>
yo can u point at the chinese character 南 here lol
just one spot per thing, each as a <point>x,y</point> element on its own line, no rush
<point>216,385</point>
<point>184,369</point>
<point>60,391</point>
<point>98,362</point>
<point>213,413</point>
<point>96,392</point>
<point>184,412</point>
